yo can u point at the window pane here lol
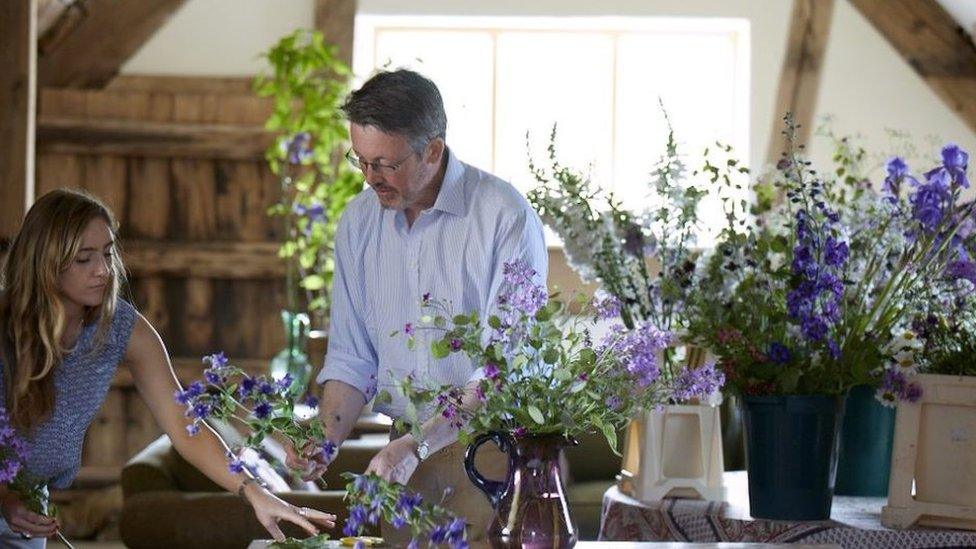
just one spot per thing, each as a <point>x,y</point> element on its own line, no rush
<point>548,77</point>
<point>460,63</point>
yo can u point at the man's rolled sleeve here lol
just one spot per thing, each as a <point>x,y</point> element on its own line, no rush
<point>351,357</point>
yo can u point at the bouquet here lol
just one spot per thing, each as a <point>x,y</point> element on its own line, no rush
<point>265,407</point>
<point>814,293</point>
<point>543,374</point>
<point>605,242</point>
<point>14,475</point>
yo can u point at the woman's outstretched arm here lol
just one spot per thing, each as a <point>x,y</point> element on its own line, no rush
<point>149,364</point>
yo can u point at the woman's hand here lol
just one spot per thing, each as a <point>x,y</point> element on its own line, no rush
<point>312,467</point>
<point>24,521</point>
<point>397,461</point>
<point>270,510</point>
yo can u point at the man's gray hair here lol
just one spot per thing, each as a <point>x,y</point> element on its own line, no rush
<point>400,102</point>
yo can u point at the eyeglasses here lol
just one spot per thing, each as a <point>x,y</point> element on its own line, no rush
<point>382,169</point>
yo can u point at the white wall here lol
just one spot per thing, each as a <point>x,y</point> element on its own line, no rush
<point>865,86</point>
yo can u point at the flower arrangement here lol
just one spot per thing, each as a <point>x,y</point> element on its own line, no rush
<point>605,242</point>
<point>265,407</point>
<point>542,372</point>
<point>308,84</point>
<point>812,294</point>
<point>14,475</point>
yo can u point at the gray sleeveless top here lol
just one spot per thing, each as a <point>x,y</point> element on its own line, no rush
<point>80,383</point>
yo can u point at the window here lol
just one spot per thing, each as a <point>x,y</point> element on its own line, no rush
<point>598,78</point>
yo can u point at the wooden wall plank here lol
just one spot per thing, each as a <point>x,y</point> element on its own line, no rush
<point>799,81</point>
<point>181,259</point>
<point>244,195</point>
<point>18,90</point>
<point>55,171</point>
<point>155,139</point>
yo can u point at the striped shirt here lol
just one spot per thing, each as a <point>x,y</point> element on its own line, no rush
<point>455,251</point>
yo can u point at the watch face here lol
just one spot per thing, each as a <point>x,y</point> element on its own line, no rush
<point>422,450</point>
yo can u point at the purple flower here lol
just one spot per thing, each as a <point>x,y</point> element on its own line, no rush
<point>606,306</point>
<point>265,388</point>
<point>930,202</point>
<point>953,169</point>
<point>246,387</point>
<point>697,382</point>
<point>200,410</point>
<point>328,450</point>
<point>185,397</point>
<point>356,520</point>
<point>778,353</point>
<point>438,534</point>
<point>520,296</point>
<point>962,270</point>
<point>398,522</point>
<point>426,298</point>
<point>408,329</point>
<point>297,148</point>
<point>455,530</point>
<point>262,410</point>
<point>216,360</point>
<point>192,429</point>
<point>613,402</point>
<point>520,431</point>
<point>897,173</point>
<point>414,544</point>
<point>835,253</point>
<point>9,470</point>
<point>360,544</point>
<point>236,466</point>
<point>314,213</point>
<point>491,371</point>
<point>456,344</point>
<point>212,377</point>
<point>285,382</point>
<point>311,401</point>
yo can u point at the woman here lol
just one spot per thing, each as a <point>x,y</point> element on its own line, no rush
<point>63,332</point>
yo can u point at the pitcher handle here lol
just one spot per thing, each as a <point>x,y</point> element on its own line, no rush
<point>493,489</point>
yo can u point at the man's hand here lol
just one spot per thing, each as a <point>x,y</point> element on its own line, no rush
<point>25,522</point>
<point>309,462</point>
<point>396,462</point>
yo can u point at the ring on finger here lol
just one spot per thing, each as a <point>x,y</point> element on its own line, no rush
<point>303,511</point>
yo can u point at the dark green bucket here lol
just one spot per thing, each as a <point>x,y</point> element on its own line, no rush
<point>865,445</point>
<point>791,455</point>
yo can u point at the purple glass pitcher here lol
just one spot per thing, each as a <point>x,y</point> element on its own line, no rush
<point>530,505</point>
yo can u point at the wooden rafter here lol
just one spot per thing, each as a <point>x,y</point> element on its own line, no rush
<point>934,44</point>
<point>111,32</point>
<point>336,20</point>
<point>799,81</point>
<point>18,96</point>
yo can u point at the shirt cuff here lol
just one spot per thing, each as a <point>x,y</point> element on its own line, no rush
<point>351,371</point>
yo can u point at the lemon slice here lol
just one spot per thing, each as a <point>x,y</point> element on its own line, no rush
<point>369,541</point>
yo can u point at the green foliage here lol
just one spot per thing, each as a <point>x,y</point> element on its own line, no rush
<point>308,85</point>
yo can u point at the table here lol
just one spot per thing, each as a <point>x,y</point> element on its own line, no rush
<point>263,544</point>
<point>855,522</point>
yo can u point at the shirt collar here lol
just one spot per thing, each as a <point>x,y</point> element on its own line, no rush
<point>450,198</point>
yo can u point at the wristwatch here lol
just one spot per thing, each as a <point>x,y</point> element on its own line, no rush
<point>423,450</point>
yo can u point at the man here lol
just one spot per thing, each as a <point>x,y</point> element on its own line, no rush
<point>427,224</point>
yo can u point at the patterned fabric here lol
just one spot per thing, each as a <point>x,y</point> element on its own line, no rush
<point>80,383</point>
<point>685,520</point>
<point>454,251</point>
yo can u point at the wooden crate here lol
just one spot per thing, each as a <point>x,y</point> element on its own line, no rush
<point>935,452</point>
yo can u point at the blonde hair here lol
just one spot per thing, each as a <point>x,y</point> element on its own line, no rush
<point>32,315</point>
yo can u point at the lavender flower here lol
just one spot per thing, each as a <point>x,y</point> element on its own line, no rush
<point>779,353</point>
<point>521,295</point>
<point>297,148</point>
<point>962,270</point>
<point>262,410</point>
<point>607,306</point>
<point>697,382</point>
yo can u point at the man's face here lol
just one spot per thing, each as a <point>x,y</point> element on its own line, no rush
<point>398,188</point>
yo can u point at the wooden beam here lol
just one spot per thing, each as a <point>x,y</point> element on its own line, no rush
<point>111,33</point>
<point>799,80</point>
<point>152,139</point>
<point>336,20</point>
<point>18,97</point>
<point>182,84</point>
<point>56,20</point>
<point>934,44</point>
<point>234,260</point>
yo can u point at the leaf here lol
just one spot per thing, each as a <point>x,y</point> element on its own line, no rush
<point>494,322</point>
<point>313,282</point>
<point>536,415</point>
<point>383,397</point>
<point>562,374</point>
<point>461,320</point>
<point>440,349</point>
<point>551,355</point>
